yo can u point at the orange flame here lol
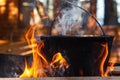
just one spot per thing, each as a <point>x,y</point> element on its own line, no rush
<point>105,52</point>
<point>37,68</point>
<point>109,69</point>
<point>40,65</point>
<point>58,61</point>
<point>111,66</point>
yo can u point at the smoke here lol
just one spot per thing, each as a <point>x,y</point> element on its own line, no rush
<point>69,22</point>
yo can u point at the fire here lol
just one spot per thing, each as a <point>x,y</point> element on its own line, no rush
<point>40,66</point>
<point>27,71</point>
<point>105,52</point>
<point>111,65</point>
<point>110,68</point>
<point>58,61</point>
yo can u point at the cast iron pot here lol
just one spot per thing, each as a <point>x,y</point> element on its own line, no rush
<point>83,53</point>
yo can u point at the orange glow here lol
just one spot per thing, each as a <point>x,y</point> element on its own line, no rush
<point>13,11</point>
<point>26,71</point>
<point>2,9</point>
<point>104,51</point>
<point>2,2</point>
<point>91,23</point>
<point>110,68</point>
<point>39,61</point>
<point>2,6</point>
<point>59,60</point>
<point>40,66</point>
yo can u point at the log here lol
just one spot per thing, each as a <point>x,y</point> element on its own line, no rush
<point>16,48</point>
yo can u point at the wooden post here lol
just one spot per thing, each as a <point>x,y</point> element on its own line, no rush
<point>110,13</point>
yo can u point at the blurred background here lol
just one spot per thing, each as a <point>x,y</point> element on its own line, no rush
<point>16,16</point>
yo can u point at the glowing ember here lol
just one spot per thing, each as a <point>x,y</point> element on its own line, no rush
<point>40,66</point>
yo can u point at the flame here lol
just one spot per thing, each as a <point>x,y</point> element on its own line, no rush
<point>58,61</point>
<point>111,65</point>
<point>26,71</point>
<point>110,68</point>
<point>37,68</point>
<point>40,65</point>
<point>105,52</point>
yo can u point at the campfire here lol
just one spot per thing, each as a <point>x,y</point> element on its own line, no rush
<point>41,67</point>
<point>64,55</point>
<point>87,56</point>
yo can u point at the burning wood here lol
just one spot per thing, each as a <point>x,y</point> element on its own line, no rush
<point>66,55</point>
<point>40,66</point>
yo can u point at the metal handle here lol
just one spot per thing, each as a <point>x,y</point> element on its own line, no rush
<point>88,14</point>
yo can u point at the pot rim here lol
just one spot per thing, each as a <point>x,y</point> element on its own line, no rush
<point>77,36</point>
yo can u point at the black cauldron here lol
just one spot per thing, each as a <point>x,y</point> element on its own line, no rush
<point>83,53</point>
